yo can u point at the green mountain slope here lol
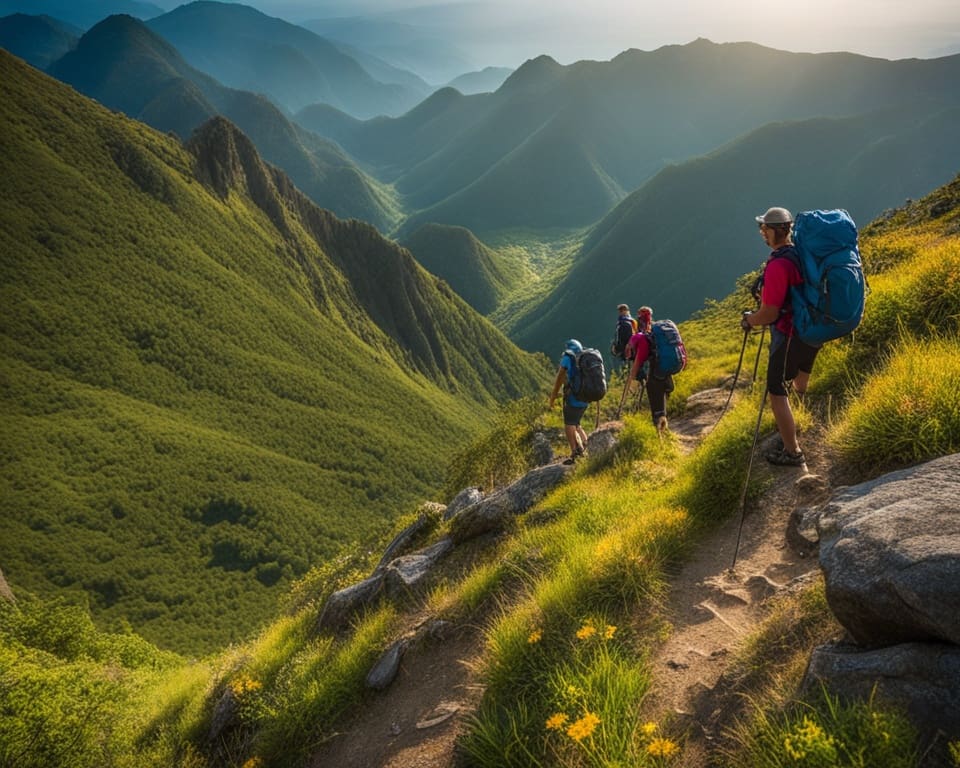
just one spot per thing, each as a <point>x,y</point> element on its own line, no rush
<point>480,275</point>
<point>209,384</point>
<point>38,40</point>
<point>600,129</point>
<point>688,233</point>
<point>124,65</point>
<point>244,48</point>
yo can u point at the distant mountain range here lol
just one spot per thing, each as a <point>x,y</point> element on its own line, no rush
<point>38,40</point>
<point>125,65</point>
<point>251,51</point>
<point>209,382</point>
<point>81,14</point>
<point>558,146</point>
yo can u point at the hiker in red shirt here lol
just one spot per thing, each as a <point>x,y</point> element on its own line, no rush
<point>657,388</point>
<point>790,359</point>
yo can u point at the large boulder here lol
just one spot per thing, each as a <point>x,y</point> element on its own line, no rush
<point>923,678</point>
<point>494,512</point>
<point>890,553</point>
<point>467,497</point>
<point>404,573</point>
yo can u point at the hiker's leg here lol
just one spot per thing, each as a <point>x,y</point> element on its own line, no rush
<point>572,429</point>
<point>657,395</point>
<point>786,426</point>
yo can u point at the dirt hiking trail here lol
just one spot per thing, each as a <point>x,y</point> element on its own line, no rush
<point>711,609</point>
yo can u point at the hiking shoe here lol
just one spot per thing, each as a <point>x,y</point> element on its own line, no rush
<point>784,458</point>
<point>569,460</point>
<point>662,424</point>
<point>579,453</point>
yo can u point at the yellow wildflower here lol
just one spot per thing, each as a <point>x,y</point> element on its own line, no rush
<point>243,685</point>
<point>585,726</point>
<point>254,762</point>
<point>535,636</point>
<point>608,632</point>
<point>662,748</point>
<point>648,729</point>
<point>556,722</point>
<point>586,631</point>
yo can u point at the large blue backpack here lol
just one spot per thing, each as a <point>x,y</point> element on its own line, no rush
<point>829,302</point>
<point>668,353</point>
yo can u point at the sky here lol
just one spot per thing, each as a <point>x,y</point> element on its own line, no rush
<point>505,33</point>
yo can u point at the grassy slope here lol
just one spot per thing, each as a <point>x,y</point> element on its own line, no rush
<point>198,404</point>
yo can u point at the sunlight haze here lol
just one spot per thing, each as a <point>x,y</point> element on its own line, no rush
<point>493,32</point>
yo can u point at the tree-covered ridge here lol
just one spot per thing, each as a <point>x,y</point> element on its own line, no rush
<point>209,384</point>
<point>481,275</point>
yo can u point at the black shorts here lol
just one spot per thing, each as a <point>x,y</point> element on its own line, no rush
<point>788,356</point>
<point>572,414</point>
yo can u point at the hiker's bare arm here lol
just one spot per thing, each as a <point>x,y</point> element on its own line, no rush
<point>767,314</point>
<point>561,377</point>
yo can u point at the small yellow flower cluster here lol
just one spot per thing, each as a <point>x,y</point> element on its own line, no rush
<point>244,685</point>
<point>535,637</point>
<point>808,738</point>
<point>577,730</point>
<point>658,746</point>
<point>254,762</point>
<point>583,727</point>
<point>589,629</point>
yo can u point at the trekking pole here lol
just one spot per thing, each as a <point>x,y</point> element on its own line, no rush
<point>746,480</point>
<point>756,362</point>
<point>643,388</point>
<point>597,425</point>
<point>623,397</point>
<point>736,376</point>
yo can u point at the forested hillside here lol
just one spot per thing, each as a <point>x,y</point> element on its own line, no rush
<point>209,384</point>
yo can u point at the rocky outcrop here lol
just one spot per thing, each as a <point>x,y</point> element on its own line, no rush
<point>5,592</point>
<point>398,574</point>
<point>890,555</point>
<point>495,512</point>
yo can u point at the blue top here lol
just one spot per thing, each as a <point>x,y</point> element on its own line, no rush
<point>569,363</point>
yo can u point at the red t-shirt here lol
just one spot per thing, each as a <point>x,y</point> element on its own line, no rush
<point>778,276</point>
<point>638,347</point>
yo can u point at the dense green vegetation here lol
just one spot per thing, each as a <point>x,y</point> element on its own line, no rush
<point>207,387</point>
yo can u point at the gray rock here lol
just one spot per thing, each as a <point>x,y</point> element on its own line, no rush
<point>890,553</point>
<point>541,450</point>
<point>387,666</point>
<point>923,678</point>
<point>224,715</point>
<point>494,512</point>
<point>402,540</point>
<point>343,604</point>
<point>461,501</point>
<point>603,441</point>
<point>404,573</point>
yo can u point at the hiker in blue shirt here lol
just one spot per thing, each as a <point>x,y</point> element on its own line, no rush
<point>573,409</point>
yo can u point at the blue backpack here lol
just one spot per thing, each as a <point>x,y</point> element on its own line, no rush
<point>829,302</point>
<point>668,354</point>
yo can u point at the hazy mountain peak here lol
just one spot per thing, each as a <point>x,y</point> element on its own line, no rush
<point>543,71</point>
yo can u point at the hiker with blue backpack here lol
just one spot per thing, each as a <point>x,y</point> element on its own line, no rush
<point>811,291</point>
<point>659,344</point>
<point>584,381</point>
<point>790,359</point>
<point>623,332</point>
